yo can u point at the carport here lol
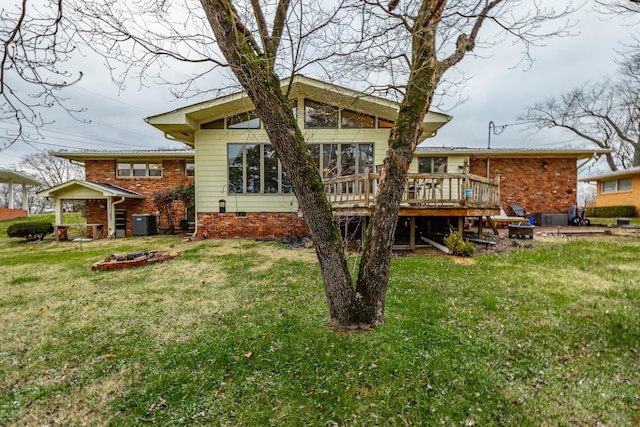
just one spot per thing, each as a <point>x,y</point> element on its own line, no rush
<point>12,178</point>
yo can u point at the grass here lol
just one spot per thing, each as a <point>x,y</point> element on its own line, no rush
<point>235,333</point>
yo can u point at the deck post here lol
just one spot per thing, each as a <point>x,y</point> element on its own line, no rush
<point>412,233</point>
<point>367,176</point>
<point>467,181</point>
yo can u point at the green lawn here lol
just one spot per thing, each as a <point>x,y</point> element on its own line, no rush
<point>235,333</point>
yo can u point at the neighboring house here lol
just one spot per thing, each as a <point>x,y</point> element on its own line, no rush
<point>242,190</point>
<point>620,188</point>
<point>12,178</point>
<point>121,184</point>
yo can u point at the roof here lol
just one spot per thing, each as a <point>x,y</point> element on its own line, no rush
<point>88,190</point>
<point>83,155</point>
<point>7,175</point>
<point>616,174</point>
<point>181,123</point>
<point>511,152</point>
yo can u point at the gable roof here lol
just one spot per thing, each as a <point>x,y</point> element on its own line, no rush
<point>511,152</point>
<point>180,124</point>
<point>8,175</point>
<point>616,174</point>
<point>76,189</point>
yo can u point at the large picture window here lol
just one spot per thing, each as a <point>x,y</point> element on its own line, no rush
<point>255,169</point>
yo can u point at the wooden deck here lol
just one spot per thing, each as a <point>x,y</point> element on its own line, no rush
<point>426,194</point>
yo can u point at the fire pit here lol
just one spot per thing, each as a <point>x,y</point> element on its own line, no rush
<point>133,259</point>
<point>521,230</point>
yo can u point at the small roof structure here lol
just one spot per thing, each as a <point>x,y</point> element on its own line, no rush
<point>181,124</point>
<point>12,177</point>
<point>80,190</point>
<point>7,176</point>
<point>616,174</point>
<point>88,190</point>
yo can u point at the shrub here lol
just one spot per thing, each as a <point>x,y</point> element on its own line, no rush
<point>611,211</point>
<point>30,230</point>
<point>458,246</point>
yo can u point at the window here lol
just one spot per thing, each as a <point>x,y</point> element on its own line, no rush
<point>384,124</point>
<point>248,120</point>
<point>432,164</point>
<point>353,120</point>
<point>154,169</point>
<point>190,169</point>
<point>616,185</point>
<point>216,124</point>
<point>319,115</point>
<point>124,169</point>
<point>139,170</point>
<point>624,184</point>
<point>255,169</point>
<point>342,159</point>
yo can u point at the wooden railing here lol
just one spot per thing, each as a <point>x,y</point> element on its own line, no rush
<point>428,190</point>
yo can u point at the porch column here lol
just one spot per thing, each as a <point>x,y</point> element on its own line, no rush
<point>11,194</point>
<point>59,212</point>
<point>25,201</point>
<point>111,220</point>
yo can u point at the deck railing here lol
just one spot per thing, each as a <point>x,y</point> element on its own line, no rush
<point>428,190</point>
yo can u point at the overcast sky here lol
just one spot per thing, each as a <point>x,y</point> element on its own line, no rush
<point>499,89</point>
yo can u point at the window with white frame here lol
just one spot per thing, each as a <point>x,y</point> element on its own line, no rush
<point>138,170</point>
<point>190,169</point>
<point>616,185</point>
<point>432,164</point>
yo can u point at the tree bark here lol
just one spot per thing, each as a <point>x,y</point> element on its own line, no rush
<point>256,75</point>
<point>373,276</point>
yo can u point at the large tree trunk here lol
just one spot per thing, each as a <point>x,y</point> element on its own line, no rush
<point>262,85</point>
<point>373,277</point>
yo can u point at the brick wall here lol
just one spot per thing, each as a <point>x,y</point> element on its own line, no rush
<point>537,184</point>
<point>6,214</point>
<point>104,171</point>
<point>261,225</point>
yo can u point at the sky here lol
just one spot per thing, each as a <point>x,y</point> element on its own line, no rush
<point>499,88</point>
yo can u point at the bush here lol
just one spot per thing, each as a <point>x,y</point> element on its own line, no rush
<point>30,230</point>
<point>611,211</point>
<point>458,246</point>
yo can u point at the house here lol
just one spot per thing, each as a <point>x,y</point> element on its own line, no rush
<point>619,188</point>
<point>11,178</point>
<point>241,189</point>
<point>119,185</point>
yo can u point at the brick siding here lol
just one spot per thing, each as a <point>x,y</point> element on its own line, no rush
<point>537,184</point>
<point>6,214</point>
<point>259,225</point>
<point>104,171</point>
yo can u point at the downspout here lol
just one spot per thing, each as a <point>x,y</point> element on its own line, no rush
<point>112,217</point>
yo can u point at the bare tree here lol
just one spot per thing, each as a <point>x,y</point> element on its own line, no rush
<point>51,171</point>
<point>251,54</point>
<point>619,6</point>
<point>36,42</point>
<point>408,45</point>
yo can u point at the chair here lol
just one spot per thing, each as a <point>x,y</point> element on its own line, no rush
<point>517,210</point>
